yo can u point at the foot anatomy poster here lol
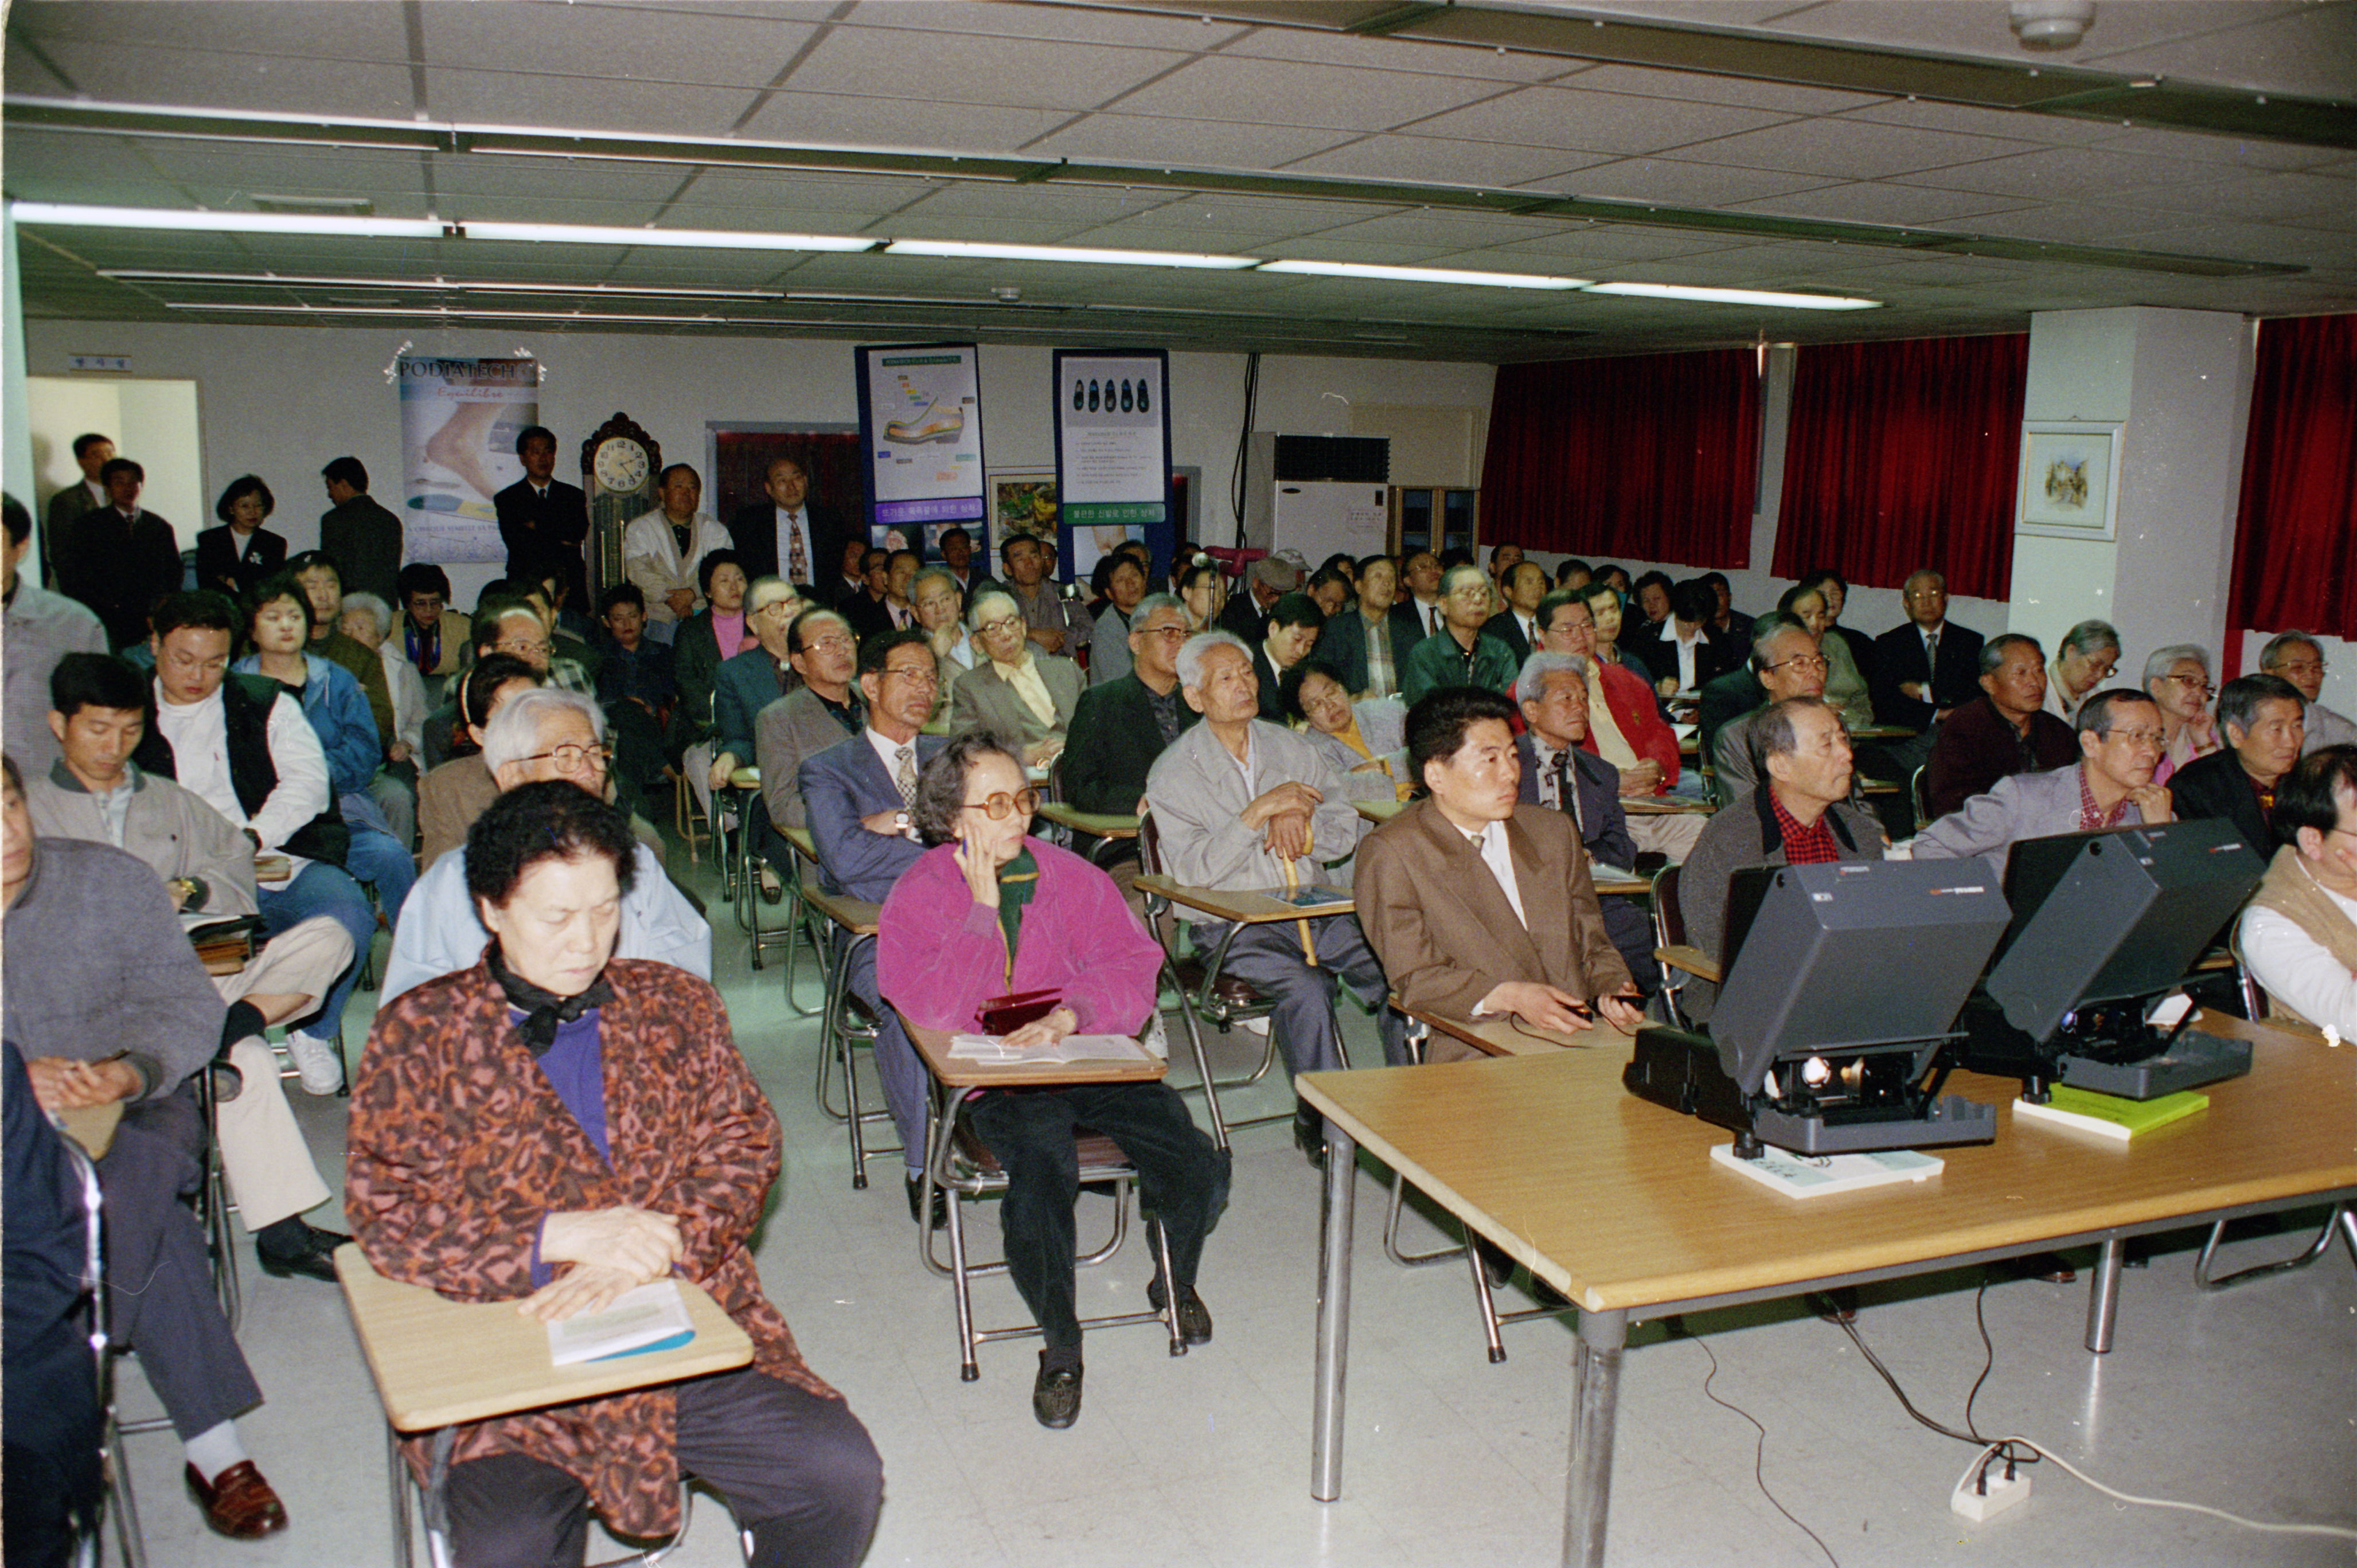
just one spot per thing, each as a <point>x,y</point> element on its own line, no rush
<point>921,419</point>
<point>459,424</point>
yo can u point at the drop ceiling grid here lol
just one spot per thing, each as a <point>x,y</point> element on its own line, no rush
<point>680,47</point>
<point>866,63</point>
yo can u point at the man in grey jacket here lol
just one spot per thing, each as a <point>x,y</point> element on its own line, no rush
<point>2120,741</point>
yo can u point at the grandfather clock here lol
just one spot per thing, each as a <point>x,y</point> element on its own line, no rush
<point>620,464</point>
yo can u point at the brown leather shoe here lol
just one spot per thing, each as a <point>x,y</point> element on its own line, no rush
<point>241,1504</point>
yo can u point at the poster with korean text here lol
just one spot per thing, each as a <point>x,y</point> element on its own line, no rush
<point>1112,453</point>
<point>459,419</point>
<point>921,423</point>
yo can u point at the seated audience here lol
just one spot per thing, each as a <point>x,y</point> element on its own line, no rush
<point>1799,814</point>
<point>368,621</point>
<point>1725,621</point>
<point>1016,691</point>
<point>95,793</point>
<point>1683,653</point>
<point>1846,686</point>
<point>2261,716</point>
<point>452,796</point>
<point>1521,586</point>
<point>1366,741</point>
<point>1124,587</point>
<point>1204,589</point>
<point>37,629</point>
<point>1651,597</point>
<point>2090,652</point>
<point>1928,667</point>
<point>536,737</point>
<point>1616,575</point>
<point>2300,659</point>
<point>1503,558</point>
<point>1420,575</point>
<point>572,662</point>
<point>1625,726</point>
<point>941,610</point>
<point>1787,661</point>
<point>1552,693</point>
<point>824,709</point>
<point>1119,728</point>
<point>322,587</point>
<point>989,911</point>
<point>433,636</point>
<point>957,559</point>
<point>1056,625</point>
<point>2005,731</point>
<point>505,624</point>
<point>1573,574</point>
<point>2297,936</point>
<point>1369,638</point>
<point>1294,623</point>
<point>1832,589</point>
<point>1606,606</point>
<point>639,691</point>
<point>632,1145</point>
<point>713,634</point>
<point>857,794</point>
<point>1237,801</point>
<point>2113,786</point>
<point>662,549</point>
<point>243,746</point>
<point>1459,653</point>
<point>376,853</point>
<point>1333,588</point>
<point>746,685</point>
<point>1266,580</point>
<point>235,558</point>
<point>109,1006</point>
<point>2178,679</point>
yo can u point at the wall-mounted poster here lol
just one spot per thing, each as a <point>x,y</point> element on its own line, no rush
<point>1112,453</point>
<point>921,423</point>
<point>459,424</point>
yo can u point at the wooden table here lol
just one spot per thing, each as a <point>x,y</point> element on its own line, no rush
<point>439,1364</point>
<point>1664,806</point>
<point>1096,824</point>
<point>1504,1036</point>
<point>1378,812</point>
<point>1258,907</point>
<point>1615,1202</point>
<point>933,1045</point>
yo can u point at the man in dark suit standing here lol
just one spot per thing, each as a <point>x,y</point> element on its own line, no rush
<point>363,538</point>
<point>93,452</point>
<point>543,519</point>
<point>785,533</point>
<point>120,559</point>
<point>857,794</point>
<point>1925,668</point>
<point>1120,728</point>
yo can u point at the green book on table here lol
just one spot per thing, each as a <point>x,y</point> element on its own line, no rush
<point>2109,1115</point>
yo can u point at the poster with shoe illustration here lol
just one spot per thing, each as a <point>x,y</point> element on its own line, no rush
<point>1112,453</point>
<point>459,424</point>
<point>920,422</point>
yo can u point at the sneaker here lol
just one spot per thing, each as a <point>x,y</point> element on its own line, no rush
<point>319,1061</point>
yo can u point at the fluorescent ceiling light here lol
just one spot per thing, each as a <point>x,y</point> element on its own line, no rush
<point>1736,297</point>
<point>691,238</point>
<point>995,252</point>
<point>1423,274</point>
<point>81,217</point>
<point>425,286</point>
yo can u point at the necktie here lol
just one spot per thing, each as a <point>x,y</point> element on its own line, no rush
<point>784,669</point>
<point>797,563</point>
<point>908,779</point>
<point>1932,653</point>
<point>1565,797</point>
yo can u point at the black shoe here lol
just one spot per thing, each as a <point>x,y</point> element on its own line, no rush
<point>313,1258</point>
<point>1309,1134</point>
<point>917,1197</point>
<point>1056,1393</point>
<point>1194,1317</point>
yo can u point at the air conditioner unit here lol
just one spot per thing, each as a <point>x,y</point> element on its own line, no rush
<point>1317,494</point>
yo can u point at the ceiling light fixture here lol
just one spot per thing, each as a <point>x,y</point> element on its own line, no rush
<point>1736,296</point>
<point>993,251</point>
<point>685,239</point>
<point>75,216</point>
<point>425,286</point>
<point>1422,274</point>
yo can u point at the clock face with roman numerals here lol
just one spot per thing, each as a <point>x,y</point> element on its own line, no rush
<point>621,463</point>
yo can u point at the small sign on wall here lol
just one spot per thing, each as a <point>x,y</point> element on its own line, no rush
<point>120,364</point>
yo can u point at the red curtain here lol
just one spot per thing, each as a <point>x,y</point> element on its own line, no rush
<point>1655,456</point>
<point>2296,540</point>
<point>1902,454</point>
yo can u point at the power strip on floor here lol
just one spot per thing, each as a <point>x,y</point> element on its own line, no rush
<point>2002,1492</point>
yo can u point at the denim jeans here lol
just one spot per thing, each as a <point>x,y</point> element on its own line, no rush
<point>378,859</point>
<point>322,889</point>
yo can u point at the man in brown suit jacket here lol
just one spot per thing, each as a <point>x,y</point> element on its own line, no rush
<point>1454,934</point>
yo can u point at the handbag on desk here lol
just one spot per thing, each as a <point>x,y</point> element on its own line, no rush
<point>1005,1015</point>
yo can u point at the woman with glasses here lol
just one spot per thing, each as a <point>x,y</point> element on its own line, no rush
<point>1366,741</point>
<point>990,911</point>
<point>2179,678</point>
<point>632,1145</point>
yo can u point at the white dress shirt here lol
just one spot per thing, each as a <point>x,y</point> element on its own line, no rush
<point>2291,964</point>
<point>198,733</point>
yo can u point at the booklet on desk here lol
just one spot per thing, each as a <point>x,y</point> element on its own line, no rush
<point>993,1049</point>
<point>1813,1176</point>
<point>649,1318</point>
<point>2108,1115</point>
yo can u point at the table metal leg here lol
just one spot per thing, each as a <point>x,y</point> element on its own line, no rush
<point>1596,1398</point>
<point>2104,1294</point>
<point>398,1473</point>
<point>1333,1314</point>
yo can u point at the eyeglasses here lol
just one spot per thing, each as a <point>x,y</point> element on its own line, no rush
<point>2301,666</point>
<point>2194,684</point>
<point>998,806</point>
<point>571,757</point>
<point>1003,624</point>
<point>834,642</point>
<point>1806,663</point>
<point>917,674</point>
<point>519,646</point>
<point>1179,632</point>
<point>2151,737</point>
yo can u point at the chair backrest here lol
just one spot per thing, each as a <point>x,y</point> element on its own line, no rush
<point>1149,844</point>
<point>1919,795</point>
<point>1669,922</point>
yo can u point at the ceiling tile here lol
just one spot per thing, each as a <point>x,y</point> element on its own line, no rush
<point>1313,46</point>
<point>679,47</point>
<point>2055,174</point>
<point>1075,204</point>
<point>1839,147</point>
<point>2307,48</point>
<point>26,73</point>
<point>843,120</point>
<point>259,27</point>
<point>1137,139</point>
<point>1594,122</point>
<point>1446,162</point>
<point>517,98</point>
<point>2281,196</point>
<point>1272,93</point>
<point>496,178</point>
<point>2234,152</point>
<point>1740,92</point>
<point>212,78</point>
<point>1062,24</point>
<point>1906,205</point>
<point>1969,119</point>
<point>875,63</point>
<point>1674,182</point>
<point>1457,231</point>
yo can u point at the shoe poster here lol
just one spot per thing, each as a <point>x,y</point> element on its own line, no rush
<point>1112,453</point>
<point>921,420</point>
<point>459,424</point>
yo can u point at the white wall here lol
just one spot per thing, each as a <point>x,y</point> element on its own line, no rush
<point>154,423</point>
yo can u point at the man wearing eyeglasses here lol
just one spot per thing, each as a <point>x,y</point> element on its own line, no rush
<point>823,709</point>
<point>1122,727</point>
<point>540,735</point>
<point>857,794</point>
<point>1788,662</point>
<point>2300,659</point>
<point>2006,730</point>
<point>1024,695</point>
<point>1462,654</point>
<point>2120,741</point>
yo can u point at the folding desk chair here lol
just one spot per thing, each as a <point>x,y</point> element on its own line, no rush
<point>111,1459</point>
<point>1222,1001</point>
<point>845,1022</point>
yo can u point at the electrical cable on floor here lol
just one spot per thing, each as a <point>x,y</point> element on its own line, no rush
<point>1971,1434</point>
<point>1986,1456</point>
<point>1760,1457</point>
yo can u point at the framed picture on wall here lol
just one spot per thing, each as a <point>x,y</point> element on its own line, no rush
<point>1024,503</point>
<point>2070,478</point>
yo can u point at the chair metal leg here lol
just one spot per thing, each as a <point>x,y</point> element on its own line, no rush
<point>1484,1302</point>
<point>2341,1221</point>
<point>397,1473</point>
<point>127,1533</point>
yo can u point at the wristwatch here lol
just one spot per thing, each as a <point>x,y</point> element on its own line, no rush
<point>899,822</point>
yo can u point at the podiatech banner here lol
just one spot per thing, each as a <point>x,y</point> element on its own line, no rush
<point>920,422</point>
<point>1112,453</point>
<point>459,424</point>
